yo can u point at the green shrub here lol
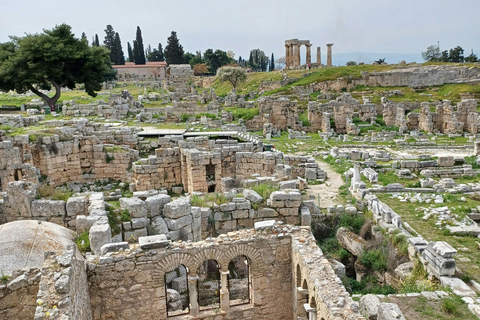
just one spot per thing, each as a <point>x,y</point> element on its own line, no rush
<point>375,259</point>
<point>125,216</point>
<point>264,190</point>
<point>304,118</point>
<point>113,221</point>
<point>368,285</point>
<point>83,241</point>
<point>243,113</point>
<point>380,120</point>
<point>353,222</point>
<point>472,160</point>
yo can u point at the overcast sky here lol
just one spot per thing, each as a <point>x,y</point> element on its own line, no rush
<point>381,26</point>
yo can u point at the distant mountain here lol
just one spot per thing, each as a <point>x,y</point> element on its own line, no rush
<point>340,59</point>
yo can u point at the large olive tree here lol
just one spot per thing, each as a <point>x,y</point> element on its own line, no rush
<point>54,58</point>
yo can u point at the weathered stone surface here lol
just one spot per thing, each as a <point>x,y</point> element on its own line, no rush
<point>177,208</point>
<point>136,207</point>
<point>458,286</point>
<point>350,241</point>
<point>84,223</point>
<point>152,242</point>
<point>389,311</point>
<point>156,203</point>
<point>267,213</point>
<point>114,247</point>
<point>369,306</point>
<point>159,225</point>
<point>48,208</point>
<point>99,235</point>
<point>252,196</point>
<point>177,224</point>
<point>76,206</point>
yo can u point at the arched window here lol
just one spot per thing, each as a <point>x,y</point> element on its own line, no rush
<point>239,281</point>
<point>313,304</point>
<point>299,276</point>
<point>176,287</point>
<point>208,285</point>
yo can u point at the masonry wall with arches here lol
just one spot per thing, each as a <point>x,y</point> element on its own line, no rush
<point>131,285</point>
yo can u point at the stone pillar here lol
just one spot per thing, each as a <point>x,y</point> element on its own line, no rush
<point>356,174</point>
<point>193,295</point>
<point>224,293</point>
<point>290,56</point>
<point>312,312</point>
<point>296,55</point>
<point>309,53</point>
<point>287,56</point>
<point>329,54</point>
<point>319,56</point>
<point>476,148</point>
<point>301,297</point>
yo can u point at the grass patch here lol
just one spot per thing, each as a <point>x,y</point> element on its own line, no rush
<point>375,259</point>
<point>83,241</point>
<point>264,190</point>
<point>46,191</point>
<point>243,113</point>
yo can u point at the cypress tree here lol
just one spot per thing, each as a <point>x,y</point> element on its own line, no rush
<point>95,42</point>
<point>84,36</point>
<point>161,56</point>
<point>109,38</point>
<point>140,55</point>
<point>272,64</point>
<point>135,51</point>
<point>118,51</point>
<point>250,60</point>
<point>130,52</point>
<point>174,50</point>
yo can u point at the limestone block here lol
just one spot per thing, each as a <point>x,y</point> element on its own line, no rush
<point>48,208</point>
<point>76,206</point>
<point>458,286</point>
<point>135,234</point>
<point>240,214</point>
<point>227,225</point>
<point>389,311</point>
<point>136,207</point>
<point>446,161</point>
<point>84,223</point>
<point>306,217</point>
<point>176,224</point>
<point>404,270</point>
<point>350,241</point>
<point>226,207</point>
<point>310,174</point>
<point>290,184</point>
<point>222,216</point>
<point>267,213</point>
<point>155,204</point>
<point>245,205</point>
<point>152,242</point>
<point>177,208</point>
<point>138,223</point>
<point>114,247</point>
<point>99,235</point>
<point>252,196</point>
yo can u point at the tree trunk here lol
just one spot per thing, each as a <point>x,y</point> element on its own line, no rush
<point>50,101</point>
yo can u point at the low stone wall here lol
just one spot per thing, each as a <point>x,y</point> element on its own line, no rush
<point>18,295</point>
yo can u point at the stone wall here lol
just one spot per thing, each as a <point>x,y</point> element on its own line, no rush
<point>81,159</point>
<point>64,290</point>
<point>315,279</point>
<point>18,295</point>
<point>12,167</point>
<point>132,284</point>
<point>281,113</point>
<point>19,121</point>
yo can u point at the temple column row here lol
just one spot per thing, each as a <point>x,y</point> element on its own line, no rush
<point>292,55</point>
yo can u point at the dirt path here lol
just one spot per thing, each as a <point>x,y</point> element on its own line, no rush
<point>328,191</point>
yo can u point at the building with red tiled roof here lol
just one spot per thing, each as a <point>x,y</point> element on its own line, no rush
<point>150,71</point>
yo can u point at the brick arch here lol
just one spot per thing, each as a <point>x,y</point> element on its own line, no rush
<point>207,254</point>
<point>252,255</point>
<point>172,261</point>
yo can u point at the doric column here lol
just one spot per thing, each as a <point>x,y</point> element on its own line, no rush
<point>290,56</point>
<point>309,53</point>
<point>296,53</point>
<point>329,54</point>
<point>193,295</point>
<point>287,56</point>
<point>224,294</point>
<point>319,57</point>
